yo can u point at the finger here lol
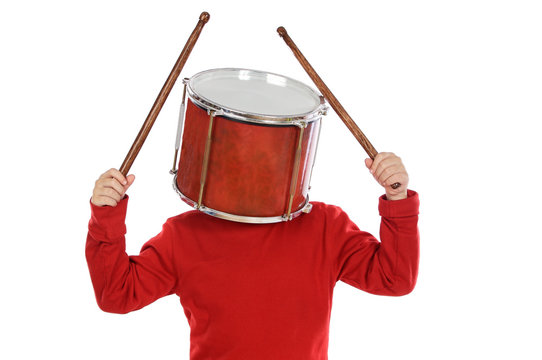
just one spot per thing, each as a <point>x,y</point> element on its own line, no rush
<point>377,160</point>
<point>112,184</point>
<point>107,174</point>
<point>388,169</point>
<point>112,193</point>
<point>399,177</point>
<point>368,163</point>
<point>383,169</point>
<point>388,161</point>
<point>130,179</point>
<point>382,178</point>
<point>114,173</point>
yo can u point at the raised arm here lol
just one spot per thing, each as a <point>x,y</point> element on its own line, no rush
<point>388,266</point>
<point>124,283</point>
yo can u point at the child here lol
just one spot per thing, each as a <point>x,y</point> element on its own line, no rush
<point>255,291</point>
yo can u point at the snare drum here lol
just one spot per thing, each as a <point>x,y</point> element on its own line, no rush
<point>248,145</point>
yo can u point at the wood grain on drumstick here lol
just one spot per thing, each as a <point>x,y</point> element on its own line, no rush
<point>335,104</point>
<point>162,96</point>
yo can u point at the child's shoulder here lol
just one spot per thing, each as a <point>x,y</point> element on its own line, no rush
<point>187,217</point>
<point>324,208</point>
<point>186,221</point>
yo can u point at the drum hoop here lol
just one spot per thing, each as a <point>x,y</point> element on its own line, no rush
<point>221,110</point>
<point>306,208</point>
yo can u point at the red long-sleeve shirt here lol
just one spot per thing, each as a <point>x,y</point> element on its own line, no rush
<point>254,291</point>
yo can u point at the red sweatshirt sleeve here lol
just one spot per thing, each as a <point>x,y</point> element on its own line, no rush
<point>385,267</point>
<point>125,283</point>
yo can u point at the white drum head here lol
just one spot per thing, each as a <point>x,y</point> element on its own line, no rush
<point>252,95</point>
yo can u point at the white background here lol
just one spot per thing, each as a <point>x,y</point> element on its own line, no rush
<point>453,87</point>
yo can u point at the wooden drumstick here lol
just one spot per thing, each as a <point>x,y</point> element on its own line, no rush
<point>335,104</point>
<point>162,96</point>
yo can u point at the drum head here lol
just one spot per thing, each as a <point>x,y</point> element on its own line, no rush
<point>255,95</point>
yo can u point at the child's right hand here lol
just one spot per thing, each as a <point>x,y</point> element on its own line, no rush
<point>110,188</point>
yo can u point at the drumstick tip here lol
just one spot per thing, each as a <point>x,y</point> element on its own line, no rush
<point>282,31</point>
<point>204,17</point>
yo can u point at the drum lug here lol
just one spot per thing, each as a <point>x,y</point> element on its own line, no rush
<point>307,209</point>
<point>324,111</point>
<point>300,124</point>
<point>324,106</point>
<point>215,112</point>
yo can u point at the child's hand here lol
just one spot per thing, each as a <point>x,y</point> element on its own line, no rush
<point>110,188</point>
<point>388,169</point>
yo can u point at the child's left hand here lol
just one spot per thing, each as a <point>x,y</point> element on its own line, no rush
<point>387,168</point>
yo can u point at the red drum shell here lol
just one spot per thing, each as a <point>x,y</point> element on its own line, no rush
<point>250,165</point>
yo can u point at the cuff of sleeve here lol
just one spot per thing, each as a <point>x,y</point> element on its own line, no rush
<point>107,221</point>
<point>399,208</point>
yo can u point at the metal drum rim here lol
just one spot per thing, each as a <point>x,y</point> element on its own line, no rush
<point>276,120</point>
